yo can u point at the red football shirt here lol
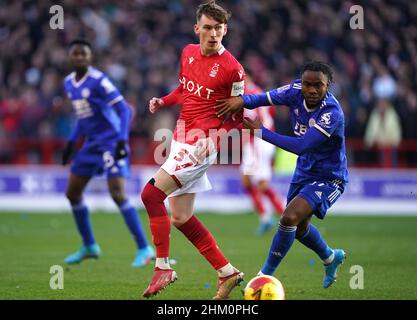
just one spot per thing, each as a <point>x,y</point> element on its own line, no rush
<point>203,80</point>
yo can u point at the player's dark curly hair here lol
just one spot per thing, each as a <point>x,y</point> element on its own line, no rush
<point>80,41</point>
<point>319,66</point>
<point>212,10</point>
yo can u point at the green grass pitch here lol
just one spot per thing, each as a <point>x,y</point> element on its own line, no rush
<point>31,243</point>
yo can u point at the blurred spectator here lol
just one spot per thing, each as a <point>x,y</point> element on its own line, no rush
<point>384,132</point>
<point>137,43</point>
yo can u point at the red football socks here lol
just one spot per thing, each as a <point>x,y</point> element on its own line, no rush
<point>275,200</point>
<point>203,240</point>
<point>256,199</point>
<point>153,199</point>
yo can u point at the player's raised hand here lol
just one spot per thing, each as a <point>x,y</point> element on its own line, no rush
<point>252,124</point>
<point>232,105</point>
<point>155,104</point>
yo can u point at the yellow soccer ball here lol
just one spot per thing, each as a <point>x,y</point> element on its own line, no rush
<point>264,288</point>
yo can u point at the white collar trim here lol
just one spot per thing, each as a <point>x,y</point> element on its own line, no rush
<point>307,108</point>
<point>78,83</point>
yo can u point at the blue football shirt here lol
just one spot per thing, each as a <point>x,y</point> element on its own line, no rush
<point>93,98</point>
<point>328,160</point>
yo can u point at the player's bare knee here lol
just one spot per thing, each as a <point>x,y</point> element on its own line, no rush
<point>117,194</point>
<point>180,215</point>
<point>73,197</point>
<point>177,221</point>
<point>289,218</point>
<point>118,197</point>
<point>178,218</point>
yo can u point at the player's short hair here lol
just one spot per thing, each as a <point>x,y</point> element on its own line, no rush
<point>212,10</point>
<point>80,41</point>
<point>319,66</point>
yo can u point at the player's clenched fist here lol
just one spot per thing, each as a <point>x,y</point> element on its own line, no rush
<point>155,104</point>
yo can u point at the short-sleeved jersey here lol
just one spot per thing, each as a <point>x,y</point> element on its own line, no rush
<point>93,98</point>
<point>327,161</point>
<point>204,80</point>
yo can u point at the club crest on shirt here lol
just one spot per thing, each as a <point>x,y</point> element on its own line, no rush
<point>190,60</point>
<point>85,93</point>
<point>325,118</point>
<point>214,70</point>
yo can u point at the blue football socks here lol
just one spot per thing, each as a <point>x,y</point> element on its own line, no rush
<point>132,220</point>
<point>282,242</point>
<point>313,240</point>
<point>82,220</point>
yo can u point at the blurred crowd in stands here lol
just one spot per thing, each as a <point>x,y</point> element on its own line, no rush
<point>138,44</point>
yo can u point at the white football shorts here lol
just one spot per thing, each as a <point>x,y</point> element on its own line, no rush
<point>257,160</point>
<point>190,174</point>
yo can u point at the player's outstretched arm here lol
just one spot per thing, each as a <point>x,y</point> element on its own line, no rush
<point>235,104</point>
<point>172,99</point>
<point>312,139</point>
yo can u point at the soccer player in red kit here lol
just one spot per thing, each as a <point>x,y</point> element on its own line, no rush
<point>256,166</point>
<point>208,72</point>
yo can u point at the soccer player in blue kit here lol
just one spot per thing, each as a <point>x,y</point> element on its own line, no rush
<point>103,119</point>
<point>321,172</point>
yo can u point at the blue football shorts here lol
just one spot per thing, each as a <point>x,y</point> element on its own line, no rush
<point>320,195</point>
<point>92,160</point>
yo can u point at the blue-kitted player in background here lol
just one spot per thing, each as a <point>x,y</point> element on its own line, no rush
<point>321,173</point>
<point>103,119</point>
